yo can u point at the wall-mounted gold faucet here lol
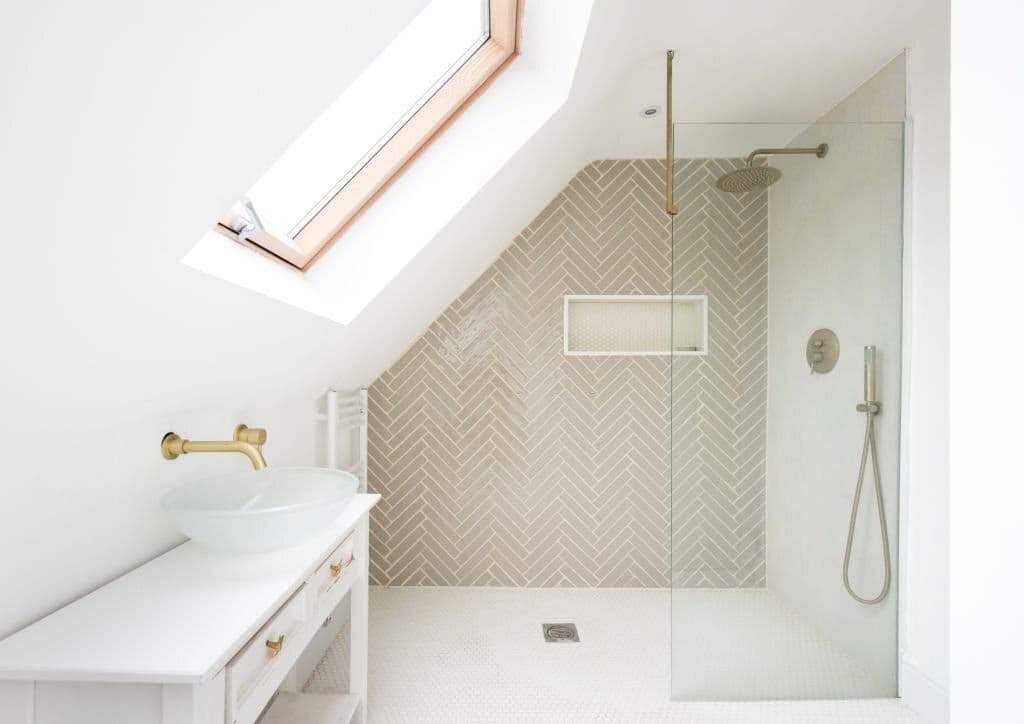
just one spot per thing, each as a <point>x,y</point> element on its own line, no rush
<point>246,440</point>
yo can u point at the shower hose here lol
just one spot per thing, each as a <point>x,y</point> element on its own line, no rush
<point>871,409</point>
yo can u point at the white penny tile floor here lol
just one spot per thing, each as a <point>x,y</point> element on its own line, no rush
<point>748,644</point>
<point>477,655</point>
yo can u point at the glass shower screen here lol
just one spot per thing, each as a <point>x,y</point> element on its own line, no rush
<point>766,450</point>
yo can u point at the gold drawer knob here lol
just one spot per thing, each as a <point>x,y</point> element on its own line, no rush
<point>337,568</point>
<point>275,646</point>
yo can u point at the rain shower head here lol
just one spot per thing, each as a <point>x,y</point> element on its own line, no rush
<point>755,178</point>
<point>748,178</point>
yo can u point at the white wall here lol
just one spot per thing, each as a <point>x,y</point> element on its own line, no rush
<point>987,245</point>
<point>881,98</point>
<point>835,262</point>
<point>126,129</point>
<point>924,594</point>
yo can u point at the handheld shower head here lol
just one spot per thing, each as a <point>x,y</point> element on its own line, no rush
<point>756,178</point>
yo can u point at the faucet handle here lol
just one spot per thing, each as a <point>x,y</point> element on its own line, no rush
<point>251,435</point>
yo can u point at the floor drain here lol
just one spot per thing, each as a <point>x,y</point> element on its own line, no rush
<point>560,633</point>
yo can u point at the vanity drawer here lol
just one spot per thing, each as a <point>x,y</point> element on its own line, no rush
<point>265,660</point>
<point>339,566</point>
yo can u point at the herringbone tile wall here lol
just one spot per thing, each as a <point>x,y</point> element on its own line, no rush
<point>719,406</point>
<point>502,462</point>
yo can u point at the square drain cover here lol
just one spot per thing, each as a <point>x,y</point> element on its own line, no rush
<point>560,633</point>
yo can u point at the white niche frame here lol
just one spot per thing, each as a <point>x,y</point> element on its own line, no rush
<point>647,306</point>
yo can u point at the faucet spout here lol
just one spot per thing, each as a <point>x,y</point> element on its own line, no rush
<point>247,441</point>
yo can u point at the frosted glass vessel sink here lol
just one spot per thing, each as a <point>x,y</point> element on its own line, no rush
<point>259,511</point>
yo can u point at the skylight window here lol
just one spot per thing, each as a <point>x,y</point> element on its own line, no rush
<point>304,202</point>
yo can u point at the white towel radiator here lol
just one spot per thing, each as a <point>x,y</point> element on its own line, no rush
<point>346,411</point>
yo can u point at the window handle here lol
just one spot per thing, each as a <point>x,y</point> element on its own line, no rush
<point>254,225</point>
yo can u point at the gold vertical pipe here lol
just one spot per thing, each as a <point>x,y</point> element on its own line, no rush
<point>670,204</point>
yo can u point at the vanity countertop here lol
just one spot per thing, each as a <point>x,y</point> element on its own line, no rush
<point>177,619</point>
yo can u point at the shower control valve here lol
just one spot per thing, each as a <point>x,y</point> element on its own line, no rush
<point>822,351</point>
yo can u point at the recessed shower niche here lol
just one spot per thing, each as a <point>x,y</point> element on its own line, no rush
<point>636,324</point>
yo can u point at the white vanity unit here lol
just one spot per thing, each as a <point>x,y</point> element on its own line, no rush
<point>197,637</point>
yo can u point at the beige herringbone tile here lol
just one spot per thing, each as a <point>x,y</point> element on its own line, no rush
<point>719,403</point>
<point>503,462</point>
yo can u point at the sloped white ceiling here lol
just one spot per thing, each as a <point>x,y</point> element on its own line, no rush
<point>741,61</point>
<point>125,141</point>
<point>430,192</point>
<point>126,129</point>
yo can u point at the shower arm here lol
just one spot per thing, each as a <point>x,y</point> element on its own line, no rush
<point>820,151</point>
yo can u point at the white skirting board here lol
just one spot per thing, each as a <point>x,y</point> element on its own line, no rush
<point>924,696</point>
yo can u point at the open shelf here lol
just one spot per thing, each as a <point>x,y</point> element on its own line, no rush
<point>635,325</point>
<point>289,708</point>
